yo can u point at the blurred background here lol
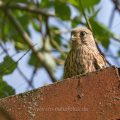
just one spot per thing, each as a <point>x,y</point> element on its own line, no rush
<point>35,38</point>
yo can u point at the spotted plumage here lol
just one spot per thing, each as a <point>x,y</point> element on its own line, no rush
<point>84,57</point>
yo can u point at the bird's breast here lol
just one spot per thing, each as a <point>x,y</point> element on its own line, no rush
<point>82,61</point>
<point>79,61</point>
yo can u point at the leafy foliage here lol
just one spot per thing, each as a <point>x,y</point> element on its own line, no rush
<point>86,3</point>
<point>101,32</point>
<point>5,67</point>
<point>65,12</point>
<point>5,89</point>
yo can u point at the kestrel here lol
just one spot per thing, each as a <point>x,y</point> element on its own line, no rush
<point>84,56</point>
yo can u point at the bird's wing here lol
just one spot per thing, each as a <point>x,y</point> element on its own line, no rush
<point>99,62</point>
<point>102,55</point>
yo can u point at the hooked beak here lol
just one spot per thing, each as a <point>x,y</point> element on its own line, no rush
<point>73,38</point>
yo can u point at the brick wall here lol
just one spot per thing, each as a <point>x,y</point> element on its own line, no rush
<point>95,96</point>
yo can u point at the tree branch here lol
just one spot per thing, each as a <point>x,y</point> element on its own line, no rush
<point>28,40</point>
<point>111,17</point>
<point>32,77</point>
<point>116,37</point>
<point>26,8</point>
<point>26,79</point>
<point>84,14</point>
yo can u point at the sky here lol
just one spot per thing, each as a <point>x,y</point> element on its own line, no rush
<point>41,78</point>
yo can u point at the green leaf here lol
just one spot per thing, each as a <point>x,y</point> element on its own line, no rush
<point>6,32</point>
<point>34,61</point>
<point>90,3</point>
<point>36,26</point>
<point>56,37</point>
<point>86,3</point>
<point>20,45</point>
<point>76,21</point>
<point>7,66</point>
<point>73,2</point>
<point>5,89</point>
<point>62,10</point>
<point>23,18</point>
<point>102,33</point>
<point>46,3</point>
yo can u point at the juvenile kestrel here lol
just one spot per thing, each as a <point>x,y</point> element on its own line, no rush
<point>84,57</point>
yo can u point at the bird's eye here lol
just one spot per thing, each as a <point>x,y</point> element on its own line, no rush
<point>83,34</point>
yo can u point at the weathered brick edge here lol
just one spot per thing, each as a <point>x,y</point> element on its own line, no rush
<point>95,96</point>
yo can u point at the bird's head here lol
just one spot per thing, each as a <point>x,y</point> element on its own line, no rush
<point>81,37</point>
